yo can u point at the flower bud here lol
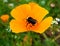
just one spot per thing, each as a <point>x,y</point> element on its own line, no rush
<point>4,18</point>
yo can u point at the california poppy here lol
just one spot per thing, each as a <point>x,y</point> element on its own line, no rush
<point>29,17</point>
<point>4,17</point>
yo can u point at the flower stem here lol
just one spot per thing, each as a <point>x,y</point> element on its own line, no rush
<point>56,38</point>
<point>28,39</point>
<point>45,36</point>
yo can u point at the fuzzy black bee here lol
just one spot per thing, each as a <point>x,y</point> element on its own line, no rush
<point>31,20</point>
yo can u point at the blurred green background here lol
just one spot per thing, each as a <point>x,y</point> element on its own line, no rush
<point>7,38</point>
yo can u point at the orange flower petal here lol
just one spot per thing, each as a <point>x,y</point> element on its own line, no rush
<point>38,11</point>
<point>21,12</point>
<point>44,25</point>
<point>17,26</point>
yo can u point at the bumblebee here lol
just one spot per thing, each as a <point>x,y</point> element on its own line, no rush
<point>31,20</point>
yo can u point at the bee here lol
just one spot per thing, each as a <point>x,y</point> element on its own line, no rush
<point>31,20</point>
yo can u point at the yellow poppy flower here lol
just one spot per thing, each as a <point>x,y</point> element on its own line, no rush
<point>4,18</point>
<point>29,17</point>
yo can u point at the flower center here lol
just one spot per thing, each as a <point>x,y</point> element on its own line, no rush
<point>31,20</point>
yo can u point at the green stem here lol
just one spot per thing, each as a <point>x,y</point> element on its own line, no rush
<point>27,43</point>
<point>56,38</point>
<point>45,36</point>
